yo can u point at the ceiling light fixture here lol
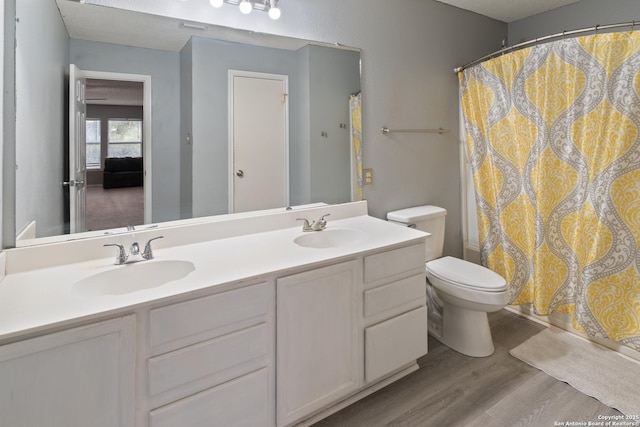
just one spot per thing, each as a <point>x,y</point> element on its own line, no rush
<point>246,6</point>
<point>274,11</point>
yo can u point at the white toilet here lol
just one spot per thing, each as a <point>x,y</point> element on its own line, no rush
<point>459,293</point>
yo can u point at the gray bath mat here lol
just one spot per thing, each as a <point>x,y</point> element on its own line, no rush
<point>596,371</point>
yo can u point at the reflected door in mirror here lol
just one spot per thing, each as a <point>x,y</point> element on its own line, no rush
<point>259,141</point>
<point>77,149</point>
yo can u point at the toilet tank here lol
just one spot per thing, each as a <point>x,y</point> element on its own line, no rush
<point>427,218</point>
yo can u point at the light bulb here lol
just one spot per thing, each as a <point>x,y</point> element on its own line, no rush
<point>245,6</point>
<point>274,12</point>
<point>216,3</point>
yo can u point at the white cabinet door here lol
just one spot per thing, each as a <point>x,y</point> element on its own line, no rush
<point>241,402</point>
<point>395,343</point>
<point>82,377</point>
<point>319,350</point>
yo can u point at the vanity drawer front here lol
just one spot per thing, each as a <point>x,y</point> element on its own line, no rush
<point>394,343</point>
<point>391,263</point>
<point>189,322</point>
<point>192,369</point>
<point>395,295</point>
<point>238,403</point>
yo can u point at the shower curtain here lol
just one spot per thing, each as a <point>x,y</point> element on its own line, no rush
<point>552,133</point>
<point>355,119</point>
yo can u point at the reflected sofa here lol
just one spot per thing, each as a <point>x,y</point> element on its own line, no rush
<point>122,172</point>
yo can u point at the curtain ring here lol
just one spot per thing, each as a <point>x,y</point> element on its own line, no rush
<point>633,24</point>
<point>563,31</point>
<point>596,30</point>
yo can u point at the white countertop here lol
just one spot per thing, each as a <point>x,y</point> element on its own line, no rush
<point>37,299</point>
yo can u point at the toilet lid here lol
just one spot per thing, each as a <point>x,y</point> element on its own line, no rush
<point>465,273</point>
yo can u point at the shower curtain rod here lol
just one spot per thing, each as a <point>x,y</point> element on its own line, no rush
<point>541,39</point>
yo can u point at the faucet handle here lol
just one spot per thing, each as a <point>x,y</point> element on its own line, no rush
<point>148,253</point>
<point>320,224</point>
<point>306,226</point>
<point>122,256</point>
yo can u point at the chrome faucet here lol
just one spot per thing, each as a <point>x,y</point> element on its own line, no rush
<point>122,257</point>
<point>148,253</point>
<point>318,225</point>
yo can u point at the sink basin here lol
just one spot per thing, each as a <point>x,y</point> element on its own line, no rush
<point>129,278</point>
<point>336,238</point>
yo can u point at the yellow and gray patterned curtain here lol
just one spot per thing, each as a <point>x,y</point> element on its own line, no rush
<point>355,116</point>
<point>553,137</point>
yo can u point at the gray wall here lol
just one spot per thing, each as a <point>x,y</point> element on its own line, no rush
<point>186,131</point>
<point>211,61</point>
<point>164,69</point>
<point>585,13</point>
<point>319,167</point>
<point>300,152</point>
<point>41,116</point>
<point>8,120</point>
<point>334,74</point>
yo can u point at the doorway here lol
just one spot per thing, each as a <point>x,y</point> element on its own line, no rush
<point>258,141</point>
<point>117,148</point>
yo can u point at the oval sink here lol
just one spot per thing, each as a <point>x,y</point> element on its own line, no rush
<point>129,278</point>
<point>329,238</point>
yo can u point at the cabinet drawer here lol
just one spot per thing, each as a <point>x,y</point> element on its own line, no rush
<point>388,264</point>
<point>394,343</point>
<point>395,294</point>
<point>242,402</point>
<point>191,369</point>
<point>189,322</point>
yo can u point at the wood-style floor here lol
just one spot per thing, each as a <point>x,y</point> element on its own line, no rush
<point>451,389</point>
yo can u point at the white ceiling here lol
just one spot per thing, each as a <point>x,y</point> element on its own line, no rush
<point>110,25</point>
<point>508,10</point>
<point>118,26</point>
<point>114,92</point>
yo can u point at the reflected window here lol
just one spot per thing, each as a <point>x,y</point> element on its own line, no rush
<point>93,143</point>
<point>125,138</point>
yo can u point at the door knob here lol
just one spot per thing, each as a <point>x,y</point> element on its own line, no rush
<point>240,173</point>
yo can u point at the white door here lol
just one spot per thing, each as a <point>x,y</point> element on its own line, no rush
<point>77,150</point>
<point>258,116</point>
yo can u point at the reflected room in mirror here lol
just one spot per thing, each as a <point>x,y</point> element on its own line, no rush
<point>120,127</point>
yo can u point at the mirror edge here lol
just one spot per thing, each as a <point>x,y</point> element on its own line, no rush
<point>8,223</point>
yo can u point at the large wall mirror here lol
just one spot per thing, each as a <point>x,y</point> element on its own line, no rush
<point>175,120</point>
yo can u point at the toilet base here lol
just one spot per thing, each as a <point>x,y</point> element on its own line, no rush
<point>466,331</point>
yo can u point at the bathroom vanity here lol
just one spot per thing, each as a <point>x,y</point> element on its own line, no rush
<point>268,326</point>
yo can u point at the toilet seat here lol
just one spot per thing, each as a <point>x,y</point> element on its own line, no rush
<point>467,275</point>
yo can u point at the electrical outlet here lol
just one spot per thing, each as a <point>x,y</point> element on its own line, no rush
<point>367,175</point>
